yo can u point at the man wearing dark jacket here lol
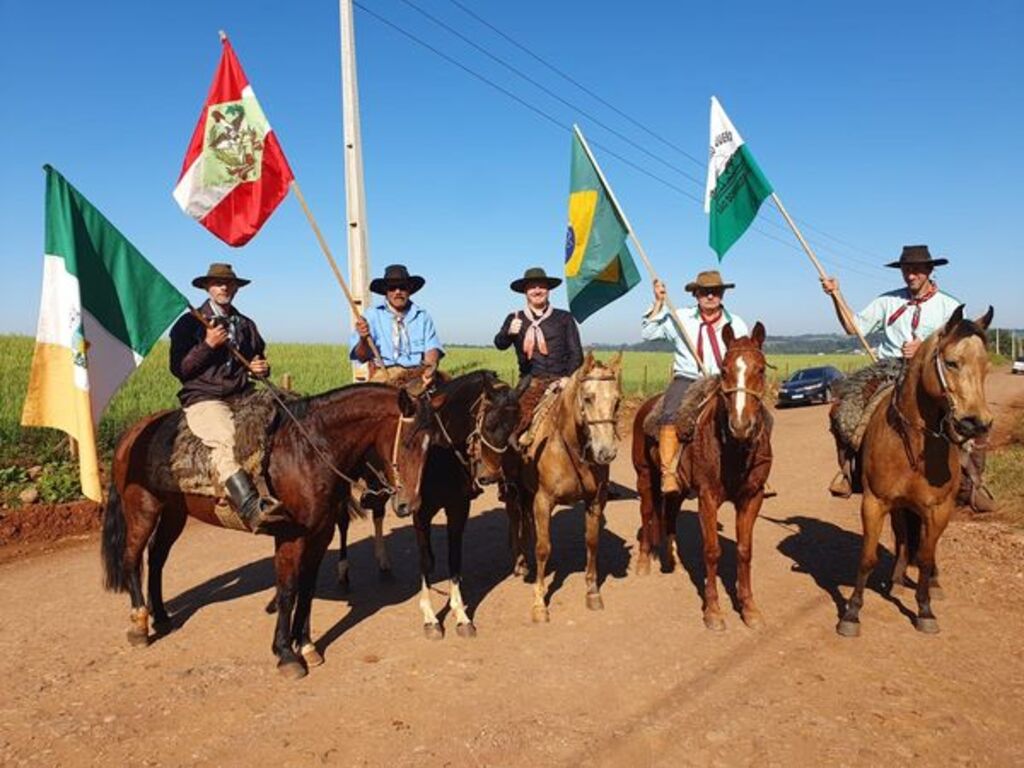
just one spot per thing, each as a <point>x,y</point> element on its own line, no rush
<point>210,375</point>
<point>546,340</point>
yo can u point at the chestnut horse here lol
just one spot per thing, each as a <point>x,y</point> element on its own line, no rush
<point>728,459</point>
<point>910,456</point>
<point>352,427</point>
<point>566,462</point>
<point>474,423</point>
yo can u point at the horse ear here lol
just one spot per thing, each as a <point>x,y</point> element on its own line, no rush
<point>616,362</point>
<point>438,399</point>
<point>985,320</point>
<point>758,334</point>
<point>728,335</point>
<point>588,361</point>
<point>954,320</point>
<point>406,404</point>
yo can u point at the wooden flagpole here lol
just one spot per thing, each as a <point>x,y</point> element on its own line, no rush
<point>840,301</point>
<point>684,334</point>
<point>334,266</point>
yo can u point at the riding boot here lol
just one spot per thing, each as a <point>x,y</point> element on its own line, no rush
<point>668,453</point>
<point>972,484</point>
<point>257,512</point>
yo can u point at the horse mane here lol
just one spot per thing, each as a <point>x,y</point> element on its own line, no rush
<point>304,405</point>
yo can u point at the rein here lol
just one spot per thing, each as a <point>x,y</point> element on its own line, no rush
<point>591,422</point>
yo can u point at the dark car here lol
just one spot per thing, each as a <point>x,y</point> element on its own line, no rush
<point>809,385</point>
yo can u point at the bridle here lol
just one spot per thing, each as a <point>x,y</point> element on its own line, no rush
<point>588,423</point>
<point>474,454</point>
<point>726,392</point>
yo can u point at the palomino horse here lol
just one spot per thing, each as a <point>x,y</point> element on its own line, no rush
<point>567,462</point>
<point>728,459</point>
<point>475,424</point>
<point>351,427</point>
<point>910,455</point>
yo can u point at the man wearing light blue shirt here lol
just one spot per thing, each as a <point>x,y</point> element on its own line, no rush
<point>402,331</point>
<point>703,324</point>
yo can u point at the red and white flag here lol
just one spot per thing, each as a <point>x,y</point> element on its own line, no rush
<point>235,173</point>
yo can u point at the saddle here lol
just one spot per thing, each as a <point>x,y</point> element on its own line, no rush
<point>535,403</point>
<point>179,463</point>
<point>689,409</point>
<point>858,396</point>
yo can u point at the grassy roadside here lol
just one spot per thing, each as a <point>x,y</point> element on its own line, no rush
<point>1004,474</point>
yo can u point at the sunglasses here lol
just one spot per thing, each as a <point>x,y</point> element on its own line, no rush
<point>709,292</point>
<point>393,287</point>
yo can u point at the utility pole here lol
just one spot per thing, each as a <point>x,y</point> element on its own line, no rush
<point>355,197</point>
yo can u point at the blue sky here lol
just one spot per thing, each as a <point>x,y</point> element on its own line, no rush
<point>878,123</point>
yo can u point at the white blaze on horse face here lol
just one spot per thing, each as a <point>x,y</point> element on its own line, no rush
<point>741,383</point>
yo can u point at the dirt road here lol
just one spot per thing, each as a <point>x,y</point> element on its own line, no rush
<point>641,683</point>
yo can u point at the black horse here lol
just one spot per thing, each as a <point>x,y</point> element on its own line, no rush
<point>475,423</point>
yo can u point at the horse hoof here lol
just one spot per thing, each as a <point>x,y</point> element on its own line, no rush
<point>928,625</point>
<point>162,627</point>
<point>433,631</point>
<point>541,614</point>
<point>753,619</point>
<point>466,630</point>
<point>138,639</point>
<point>311,655</point>
<point>848,628</point>
<point>594,601</point>
<point>292,670</point>
<point>714,622</point>
<point>936,592</point>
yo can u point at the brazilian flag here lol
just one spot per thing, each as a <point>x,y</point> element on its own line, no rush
<point>598,265</point>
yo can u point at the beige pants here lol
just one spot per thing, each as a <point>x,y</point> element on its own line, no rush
<point>212,422</point>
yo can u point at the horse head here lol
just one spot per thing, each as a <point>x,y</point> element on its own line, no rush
<point>598,393</point>
<point>743,380</point>
<point>496,420</point>
<point>413,435</point>
<point>956,371</point>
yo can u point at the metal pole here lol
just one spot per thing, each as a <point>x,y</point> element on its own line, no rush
<point>840,301</point>
<point>684,334</point>
<point>355,197</point>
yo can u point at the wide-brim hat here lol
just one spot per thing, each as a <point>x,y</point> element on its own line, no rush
<point>534,274</point>
<point>219,272</point>
<point>709,279</point>
<point>916,256</point>
<point>396,273</point>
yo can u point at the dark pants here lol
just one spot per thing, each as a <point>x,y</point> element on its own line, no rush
<point>673,399</point>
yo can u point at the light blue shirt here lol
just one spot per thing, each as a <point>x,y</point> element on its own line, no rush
<point>402,345</point>
<point>660,326</point>
<point>875,316</point>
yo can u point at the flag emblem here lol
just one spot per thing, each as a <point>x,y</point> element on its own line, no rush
<point>234,143</point>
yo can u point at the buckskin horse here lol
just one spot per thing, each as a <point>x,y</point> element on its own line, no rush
<point>349,428</point>
<point>728,459</point>
<point>567,462</point>
<point>474,424</point>
<point>910,456</point>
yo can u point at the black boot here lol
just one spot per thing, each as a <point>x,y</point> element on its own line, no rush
<point>256,512</point>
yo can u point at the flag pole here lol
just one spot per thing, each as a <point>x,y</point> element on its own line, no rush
<point>684,334</point>
<point>844,309</point>
<point>334,266</point>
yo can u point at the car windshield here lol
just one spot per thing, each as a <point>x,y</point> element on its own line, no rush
<point>808,374</point>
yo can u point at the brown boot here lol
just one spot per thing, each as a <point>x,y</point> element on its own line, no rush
<point>668,452</point>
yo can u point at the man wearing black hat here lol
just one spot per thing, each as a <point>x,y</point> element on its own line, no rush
<point>908,316</point>
<point>210,375</point>
<point>403,332</point>
<point>546,339</point>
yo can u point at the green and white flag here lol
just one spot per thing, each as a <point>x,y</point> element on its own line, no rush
<point>103,308</point>
<point>736,186</point>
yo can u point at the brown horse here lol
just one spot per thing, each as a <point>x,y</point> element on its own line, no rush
<point>910,456</point>
<point>728,459</point>
<point>567,462</point>
<point>353,427</point>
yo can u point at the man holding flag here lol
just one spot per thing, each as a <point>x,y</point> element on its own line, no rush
<point>704,323</point>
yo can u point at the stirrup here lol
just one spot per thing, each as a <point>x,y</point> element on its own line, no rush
<point>840,486</point>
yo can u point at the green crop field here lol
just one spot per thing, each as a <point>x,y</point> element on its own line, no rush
<point>313,368</point>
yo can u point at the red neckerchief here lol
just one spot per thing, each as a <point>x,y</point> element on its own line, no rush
<point>916,303</point>
<point>707,328</point>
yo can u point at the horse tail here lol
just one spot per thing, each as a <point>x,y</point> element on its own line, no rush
<point>115,578</point>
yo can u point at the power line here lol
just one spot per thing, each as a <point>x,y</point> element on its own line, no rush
<point>562,126</point>
<point>702,164</point>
